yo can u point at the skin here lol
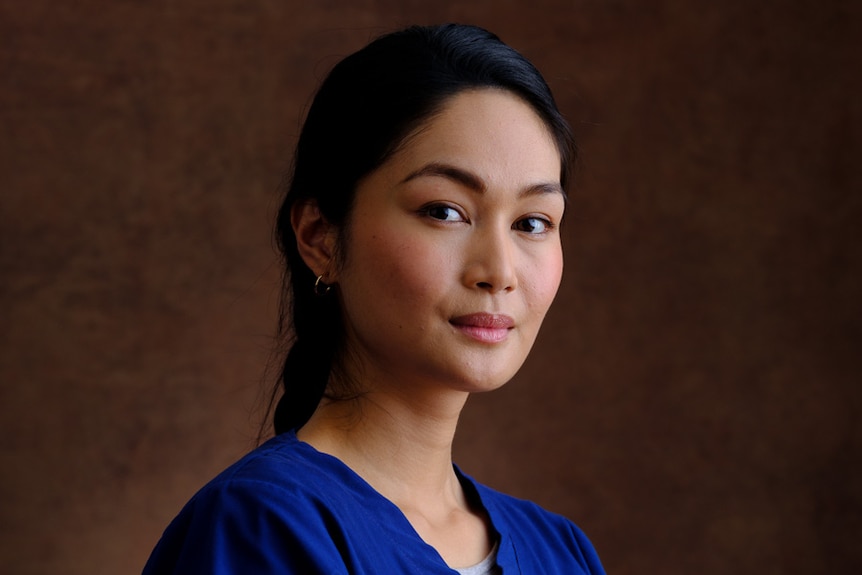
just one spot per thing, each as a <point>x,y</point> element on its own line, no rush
<point>452,260</point>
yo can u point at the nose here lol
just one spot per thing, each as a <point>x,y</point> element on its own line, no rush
<point>491,263</point>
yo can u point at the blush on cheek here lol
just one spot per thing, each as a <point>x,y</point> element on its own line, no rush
<point>544,281</point>
<point>419,276</point>
<point>409,269</point>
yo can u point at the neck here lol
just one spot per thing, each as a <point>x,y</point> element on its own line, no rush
<point>399,440</point>
<point>400,443</point>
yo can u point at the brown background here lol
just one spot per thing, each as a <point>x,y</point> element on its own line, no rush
<point>694,400</point>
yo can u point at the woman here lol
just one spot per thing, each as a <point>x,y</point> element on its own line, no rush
<point>421,233</point>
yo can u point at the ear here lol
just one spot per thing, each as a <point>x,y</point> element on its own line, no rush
<point>315,237</point>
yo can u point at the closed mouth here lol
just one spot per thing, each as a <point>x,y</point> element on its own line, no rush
<point>484,320</point>
<point>484,327</point>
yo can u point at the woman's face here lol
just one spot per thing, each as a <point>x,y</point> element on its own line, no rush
<point>453,252</point>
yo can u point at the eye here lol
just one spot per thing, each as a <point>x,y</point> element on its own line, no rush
<point>443,212</point>
<point>533,225</point>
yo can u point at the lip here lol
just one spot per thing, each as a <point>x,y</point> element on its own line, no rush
<point>484,327</point>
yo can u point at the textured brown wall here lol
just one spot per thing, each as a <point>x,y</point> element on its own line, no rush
<point>694,400</point>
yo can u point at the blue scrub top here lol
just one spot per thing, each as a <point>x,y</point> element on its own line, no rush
<point>285,508</point>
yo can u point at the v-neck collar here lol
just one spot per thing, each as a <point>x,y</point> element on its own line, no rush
<point>395,524</point>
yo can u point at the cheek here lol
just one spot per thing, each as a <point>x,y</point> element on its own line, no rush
<point>402,266</point>
<point>544,281</point>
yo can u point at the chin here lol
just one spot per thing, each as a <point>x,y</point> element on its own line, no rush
<point>487,388</point>
<point>485,384</point>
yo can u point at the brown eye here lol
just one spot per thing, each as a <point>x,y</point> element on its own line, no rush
<point>444,213</point>
<point>533,225</point>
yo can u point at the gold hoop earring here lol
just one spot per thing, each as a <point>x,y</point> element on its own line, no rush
<point>320,288</point>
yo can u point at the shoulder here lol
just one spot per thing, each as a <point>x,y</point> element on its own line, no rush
<point>282,464</point>
<point>282,476</point>
<point>517,511</point>
<point>269,508</point>
<point>540,536</point>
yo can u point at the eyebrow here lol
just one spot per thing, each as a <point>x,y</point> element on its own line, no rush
<point>475,183</point>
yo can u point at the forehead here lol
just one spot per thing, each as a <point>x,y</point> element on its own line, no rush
<point>491,132</point>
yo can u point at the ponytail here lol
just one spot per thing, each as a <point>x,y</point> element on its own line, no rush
<point>306,371</point>
<point>316,325</point>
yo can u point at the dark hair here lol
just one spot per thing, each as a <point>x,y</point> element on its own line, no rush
<point>365,108</point>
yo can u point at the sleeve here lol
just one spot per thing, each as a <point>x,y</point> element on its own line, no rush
<point>243,527</point>
<point>586,553</point>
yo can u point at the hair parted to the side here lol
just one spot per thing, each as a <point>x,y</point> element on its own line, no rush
<point>363,111</point>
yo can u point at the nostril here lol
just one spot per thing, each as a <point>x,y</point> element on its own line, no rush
<point>484,285</point>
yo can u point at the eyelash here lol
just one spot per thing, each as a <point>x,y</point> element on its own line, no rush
<point>548,225</point>
<point>430,209</point>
